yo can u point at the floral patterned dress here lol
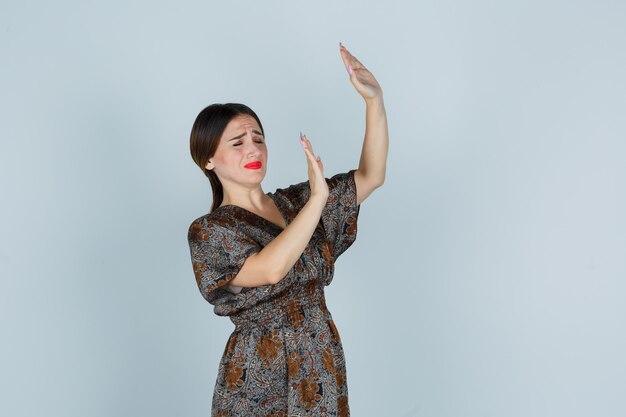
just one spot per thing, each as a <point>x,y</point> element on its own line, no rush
<point>284,357</point>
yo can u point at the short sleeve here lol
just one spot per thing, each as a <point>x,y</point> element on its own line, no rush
<point>341,212</point>
<point>217,255</point>
<point>295,196</point>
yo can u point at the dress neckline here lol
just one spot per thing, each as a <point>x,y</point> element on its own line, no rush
<point>272,196</point>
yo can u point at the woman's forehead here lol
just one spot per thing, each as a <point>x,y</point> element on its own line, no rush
<point>242,122</point>
<point>237,127</point>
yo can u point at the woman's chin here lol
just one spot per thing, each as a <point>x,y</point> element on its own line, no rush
<point>255,175</point>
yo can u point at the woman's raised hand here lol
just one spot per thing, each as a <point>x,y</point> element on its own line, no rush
<point>318,184</point>
<point>363,80</point>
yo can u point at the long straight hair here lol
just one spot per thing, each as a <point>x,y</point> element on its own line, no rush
<point>205,138</point>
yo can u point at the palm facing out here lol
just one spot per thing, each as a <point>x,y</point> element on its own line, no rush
<point>362,79</point>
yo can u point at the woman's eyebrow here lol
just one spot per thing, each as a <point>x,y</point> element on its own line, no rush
<point>244,133</point>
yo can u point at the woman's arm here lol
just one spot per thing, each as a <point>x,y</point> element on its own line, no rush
<point>373,163</point>
<point>273,262</point>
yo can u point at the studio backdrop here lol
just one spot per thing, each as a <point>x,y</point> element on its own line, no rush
<point>487,276</point>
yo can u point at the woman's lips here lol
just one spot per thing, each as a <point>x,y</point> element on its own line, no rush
<point>253,165</point>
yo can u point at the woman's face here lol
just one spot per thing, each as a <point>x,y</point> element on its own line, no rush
<point>241,143</point>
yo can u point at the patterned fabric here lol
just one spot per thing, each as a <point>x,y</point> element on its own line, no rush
<point>284,357</point>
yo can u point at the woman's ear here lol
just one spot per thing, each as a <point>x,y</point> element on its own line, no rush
<point>209,165</point>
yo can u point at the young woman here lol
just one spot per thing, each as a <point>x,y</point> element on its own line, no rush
<point>263,259</point>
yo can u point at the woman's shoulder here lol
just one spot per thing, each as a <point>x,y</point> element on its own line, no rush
<point>298,194</point>
<point>293,188</point>
<point>295,195</point>
<point>216,220</point>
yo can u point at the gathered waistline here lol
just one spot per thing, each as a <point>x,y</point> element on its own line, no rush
<point>284,310</point>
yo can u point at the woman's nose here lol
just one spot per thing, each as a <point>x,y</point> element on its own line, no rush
<point>252,148</point>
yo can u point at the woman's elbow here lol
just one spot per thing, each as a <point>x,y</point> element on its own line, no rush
<point>254,273</point>
<point>271,272</point>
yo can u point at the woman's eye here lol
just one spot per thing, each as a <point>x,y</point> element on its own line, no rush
<point>258,141</point>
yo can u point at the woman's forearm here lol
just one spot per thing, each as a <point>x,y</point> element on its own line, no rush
<point>373,160</point>
<point>273,262</point>
<point>282,253</point>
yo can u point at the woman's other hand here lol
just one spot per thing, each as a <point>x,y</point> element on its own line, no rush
<point>362,79</point>
<point>319,187</point>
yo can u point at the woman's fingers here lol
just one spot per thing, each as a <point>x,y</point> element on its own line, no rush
<point>315,167</point>
<point>348,58</point>
<point>308,148</point>
<point>360,77</point>
<point>345,56</point>
<point>306,145</point>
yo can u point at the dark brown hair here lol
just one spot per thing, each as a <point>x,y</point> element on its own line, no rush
<point>205,137</point>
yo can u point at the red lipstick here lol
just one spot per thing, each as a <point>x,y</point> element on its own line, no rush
<point>253,165</point>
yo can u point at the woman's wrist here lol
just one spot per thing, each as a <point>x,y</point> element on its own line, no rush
<point>375,101</point>
<point>318,201</point>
